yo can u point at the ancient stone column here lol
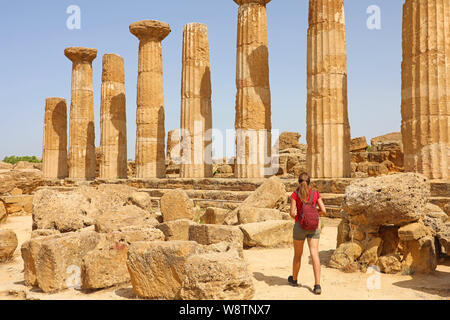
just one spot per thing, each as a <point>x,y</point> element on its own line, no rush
<point>253,101</point>
<point>150,135</point>
<point>82,159</point>
<point>328,129</point>
<point>196,118</point>
<point>54,156</point>
<point>426,87</point>
<point>173,145</point>
<point>113,119</point>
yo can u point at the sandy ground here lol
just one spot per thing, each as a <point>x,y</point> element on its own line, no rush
<point>270,269</point>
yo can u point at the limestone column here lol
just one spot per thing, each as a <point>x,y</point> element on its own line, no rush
<point>113,119</point>
<point>82,159</point>
<point>150,135</point>
<point>253,101</point>
<point>173,145</point>
<point>196,118</point>
<point>54,156</point>
<point>426,87</point>
<point>328,129</point>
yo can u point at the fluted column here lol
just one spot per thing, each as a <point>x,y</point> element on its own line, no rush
<point>150,135</point>
<point>253,101</point>
<point>196,118</point>
<point>328,129</point>
<point>426,87</point>
<point>113,119</point>
<point>82,159</point>
<point>54,156</point>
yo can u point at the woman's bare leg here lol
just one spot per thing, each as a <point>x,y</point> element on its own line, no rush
<point>314,250</point>
<point>298,252</point>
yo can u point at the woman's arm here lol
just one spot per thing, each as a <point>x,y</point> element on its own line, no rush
<point>323,210</point>
<point>293,211</point>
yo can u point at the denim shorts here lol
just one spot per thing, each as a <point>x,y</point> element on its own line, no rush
<point>301,235</point>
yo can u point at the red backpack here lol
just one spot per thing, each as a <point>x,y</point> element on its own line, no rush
<point>309,216</point>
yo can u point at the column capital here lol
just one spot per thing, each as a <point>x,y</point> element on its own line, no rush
<point>150,29</point>
<point>79,54</point>
<point>261,2</point>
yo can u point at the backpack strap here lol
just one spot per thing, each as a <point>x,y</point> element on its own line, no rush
<point>313,192</point>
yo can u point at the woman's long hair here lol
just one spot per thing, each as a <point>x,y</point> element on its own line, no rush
<point>303,190</point>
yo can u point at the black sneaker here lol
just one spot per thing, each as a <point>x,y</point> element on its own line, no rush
<point>317,289</point>
<point>292,282</point>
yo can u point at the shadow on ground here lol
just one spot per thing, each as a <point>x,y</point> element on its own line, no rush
<point>275,281</point>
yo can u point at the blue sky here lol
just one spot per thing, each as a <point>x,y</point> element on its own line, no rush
<point>33,66</point>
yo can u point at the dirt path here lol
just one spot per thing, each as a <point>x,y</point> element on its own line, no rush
<point>270,269</point>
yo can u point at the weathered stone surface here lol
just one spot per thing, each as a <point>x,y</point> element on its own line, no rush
<point>395,199</point>
<point>150,140</point>
<point>82,159</point>
<point>253,100</point>
<point>3,212</point>
<point>389,264</point>
<point>425,111</point>
<point>196,114</point>
<point>5,166</point>
<point>358,144</point>
<point>438,223</point>
<point>106,265</point>
<point>176,229</point>
<point>74,210</point>
<point>57,259</point>
<point>420,256</point>
<point>217,276</point>
<point>372,169</point>
<point>288,140</point>
<point>267,234</point>
<point>187,270</point>
<point>43,233</point>
<point>372,251</point>
<point>113,119</point>
<point>54,155</point>
<point>26,180</point>
<point>19,205</point>
<point>343,234</point>
<point>129,216</point>
<point>215,215</point>
<point>208,234</point>
<point>8,245</point>
<point>412,231</point>
<point>346,254</point>
<point>250,215</point>
<point>271,194</point>
<point>328,127</point>
<point>175,205</point>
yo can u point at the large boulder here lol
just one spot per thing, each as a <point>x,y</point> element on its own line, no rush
<point>267,234</point>
<point>271,195</point>
<point>396,199</point>
<point>208,234</point>
<point>5,166</point>
<point>420,256</point>
<point>175,205</point>
<point>346,255</point>
<point>187,270</point>
<point>124,217</point>
<point>438,223</point>
<point>358,144</point>
<point>288,140</point>
<point>106,265</point>
<point>8,245</point>
<point>176,229</point>
<point>87,259</point>
<point>251,215</point>
<point>105,205</point>
<point>389,264</point>
<point>215,215</point>
<point>3,212</point>
<point>388,142</point>
<point>26,180</point>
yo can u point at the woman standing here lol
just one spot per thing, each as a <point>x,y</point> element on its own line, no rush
<point>301,196</point>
